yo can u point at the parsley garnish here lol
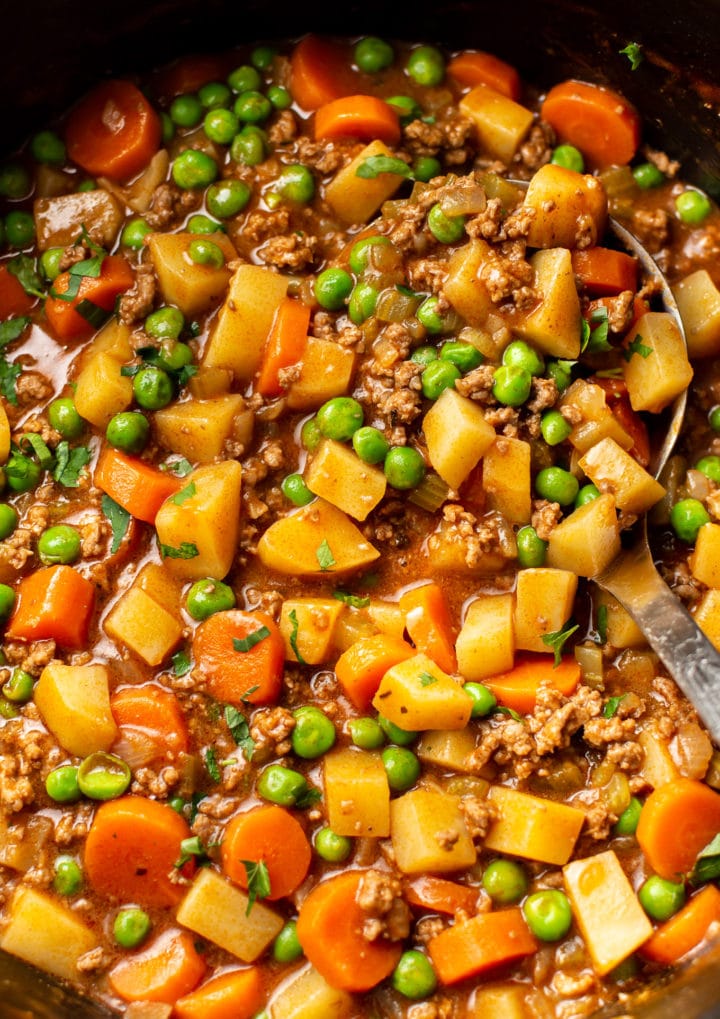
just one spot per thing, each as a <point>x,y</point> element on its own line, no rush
<point>307,798</point>
<point>69,462</point>
<point>637,347</point>
<point>611,705</point>
<point>119,521</point>
<point>633,51</point>
<point>502,710</point>
<point>39,448</point>
<point>355,601</point>
<point>182,663</point>
<point>239,730</point>
<point>258,880</point>
<point>427,679</point>
<point>187,550</point>
<point>154,357</point>
<point>92,312</point>
<point>556,640</point>
<point>23,267</point>
<point>12,329</point>
<point>244,644</point>
<point>245,697</point>
<point>212,765</point>
<point>184,494</point>
<point>195,801</point>
<point>292,616</point>
<point>707,865</point>
<point>181,468</point>
<point>597,342</point>
<point>373,166</point>
<point>325,558</point>
<point>9,331</point>
<point>189,848</point>
<point>406,291</point>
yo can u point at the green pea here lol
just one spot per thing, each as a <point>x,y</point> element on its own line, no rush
<point>709,466</point>
<point>8,710</point>
<point>401,766</point>
<point>362,303</point>
<point>153,388</point>
<point>164,323</point>
<point>173,355</point>
<point>373,54</point>
<point>227,198</point>
<point>244,79</point>
<point>687,517</point>
<point>296,183</point>
<point>134,233</point>
<point>214,95</point>
<point>103,776</point>
<point>661,898</point>
<point>339,418</point>
<point>714,418</point>
<point>555,429</point>
<point>426,167</point>
<point>627,823</point>
<point>203,252</point>
<point>520,354</point>
<point>693,207</point>
<point>332,288</point>
<point>177,803</point>
<point>560,373</point>
<point>202,224</point>
<point>59,544</point>
<point>366,733</point>
<point>424,355</point>
<point>186,111</point>
<point>208,596</point>
<point>446,229</point>
<point>249,146</point>
<point>86,185</point>
<point>426,66</point>
<point>648,176</point>
<point>47,147</point>
<point>548,914</point>
<point>67,879</point>
<point>262,57</point>
<point>314,733</point>
<point>282,785</point>
<point>167,128</point>
<point>568,157</point>
<point>414,976</point>
<point>484,701</point>
<point>19,229</point>
<point>7,602</point>
<point>429,316</point>
<point>128,431</point>
<point>588,493</point>
<point>19,688</point>
<point>14,181</point>
<point>331,847</point>
<point>464,356</point>
<point>511,385</point>
<point>286,946</point>
<point>438,376</point>
<point>505,881</point>
<point>370,444</point>
<point>194,169</point>
<point>21,473</point>
<point>64,418</point>
<point>310,434</point>
<point>279,97</point>
<point>293,487</point>
<point>49,262</point>
<point>8,520</point>
<point>361,251</point>
<point>394,734</point>
<point>61,784</point>
<point>557,485</point>
<point>131,927</point>
<point>407,108</point>
<point>531,549</point>
<point>404,467</point>
<point>252,107</point>
<point>221,126</point>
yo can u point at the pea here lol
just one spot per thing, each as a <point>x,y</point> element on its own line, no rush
<point>47,147</point>
<point>339,418</point>
<point>370,444</point>
<point>202,224</point>
<point>49,263</point>
<point>7,602</point>
<point>366,733</point>
<point>404,467</point>
<point>557,485</point>
<point>310,434</point>
<point>693,207</point>
<point>221,126</point>
<point>555,429</point>
<point>393,733</point>
<point>568,157</point>
<point>361,251</point>
<point>293,487</point>
<point>8,520</point>
<point>167,128</point>
<point>587,494</point>
<point>61,784</point>
<point>14,181</point>
<point>67,879</point>
<point>647,176</point>
<point>134,233</point>
<point>153,388</point>
<point>331,847</point>
<point>429,316</point>
<point>128,431</point>
<point>446,229</point>
<point>511,385</point>
<point>174,355</point>
<point>426,66</point>
<point>252,107</point>
<point>244,79</point>
<point>186,111</point>
<point>19,688</point>
<point>262,57</point>
<point>438,376</point>
<point>714,418</point>
<point>203,252</point>
<point>424,355</point>
<point>19,229</point>
<point>296,183</point>
<point>687,517</point>
<point>627,823</point>
<point>407,108</point>
<point>401,767</point>
<point>279,97</point>
<point>414,976</point>
<point>362,303</point>
<point>7,710</point>
<point>505,881</point>
<point>194,169</point>
<point>103,776</point>
<point>332,288</point>
<point>282,785</point>
<point>709,466</point>
<point>227,198</point>
<point>208,596</point>
<point>520,354</point>
<point>661,898</point>
<point>131,927</point>
<point>177,803</point>
<point>464,356</point>
<point>484,701</point>
<point>314,733</point>
<point>286,946</point>
<point>548,914</point>
<point>87,185</point>
<point>164,323</point>
<point>249,146</point>
<point>426,167</point>
<point>373,54</point>
<point>21,473</point>
<point>59,544</point>
<point>531,549</point>
<point>213,95</point>
<point>560,374</point>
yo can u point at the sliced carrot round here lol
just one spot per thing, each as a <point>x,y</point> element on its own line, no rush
<point>164,971</point>
<point>270,835</point>
<point>596,120</point>
<point>156,710</point>
<point>364,117</point>
<point>320,71</point>
<point>234,995</point>
<point>242,655</point>
<point>479,68</point>
<point>684,931</point>
<point>677,821</point>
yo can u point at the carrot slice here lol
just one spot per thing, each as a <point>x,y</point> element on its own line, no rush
<point>53,604</point>
<point>285,344</point>
<point>113,131</point>
<point>479,68</point>
<point>134,484</point>
<point>677,821</point>
<point>596,120</point>
<point>233,674</point>
<point>364,117</point>
<point>427,621</point>
<point>101,292</point>
<point>131,850</point>
<point>440,895</point>
<point>13,299</point>
<point>361,667</point>
<point>320,71</point>
<point>329,928</point>
<point>605,271</point>
<point>480,944</point>
<point>272,835</point>
<point>684,931</point>
<point>190,73</point>
<point>617,399</point>
<point>234,995</point>
<point>154,709</point>
<point>165,970</point>
<point>517,688</point>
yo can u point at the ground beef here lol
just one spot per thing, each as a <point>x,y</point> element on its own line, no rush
<point>271,729</point>
<point>38,425</point>
<point>488,223</point>
<point>292,251</point>
<point>478,814</point>
<point>427,929</point>
<point>32,657</point>
<point>535,151</point>
<point>427,274</point>
<point>480,538</point>
<point>507,275</point>
<point>434,1008</point>
<point>283,129</point>
<point>669,167</point>
<point>261,225</point>
<point>675,709</point>
<point>380,897</point>
<point>32,387</point>
<point>504,420</point>
<point>545,517</point>
<point>449,137</point>
<point>325,157</point>
<point>137,303</point>
<point>557,718</point>
<point>619,311</point>
<point>652,228</point>
<point>477,384</point>
<point>158,784</point>
<point>170,204</point>
<point>544,394</point>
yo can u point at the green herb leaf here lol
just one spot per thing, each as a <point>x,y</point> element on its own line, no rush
<point>610,373</point>
<point>325,558</point>
<point>248,693</point>
<point>211,765</point>
<point>12,328</point>
<point>92,313</point>
<point>244,644</point>
<point>707,865</point>
<point>180,468</point>
<point>292,616</point>
<point>427,679</point>
<point>70,292</point>
<point>185,374</point>
<point>240,730</point>
<point>611,705</point>
<point>633,51</point>
<point>119,522</point>
<point>406,291</point>
<point>195,801</point>
<point>556,640</point>
<point>307,798</point>
<point>39,447</point>
<point>19,467</point>
<point>511,712</point>
<point>187,550</point>
<point>584,333</point>
<point>152,356</point>
<point>189,848</point>
<point>598,342</point>
<point>23,267</point>
<point>184,494</point>
<point>129,371</point>
<point>602,621</point>
<point>355,601</point>
<point>69,463</point>
<point>637,347</point>
<point>88,267</point>
<point>258,881</point>
<point>373,166</point>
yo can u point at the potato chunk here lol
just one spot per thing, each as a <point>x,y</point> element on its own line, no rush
<point>705,559</point>
<point>193,288</point>
<point>486,642</point>
<point>533,827</point>
<point>554,324</point>
<point>74,703</point>
<point>543,603</point>
<point>339,476</point>
<point>307,995</point>
<point>698,301</point>
<point>417,695</point>
<point>597,421</point>
<point>308,628</point>
<point>357,793</point>
<point>614,471</point>
<point>101,391</point>
<point>59,221</point>
<point>354,199</point>
<point>587,540</point>
<point>658,369</point>
<point>506,479</point>
<point>457,435</point>
<point>46,933</point>
<point>500,123</point>
<point>198,429</point>
<point>141,624</point>
<point>464,288</point>
<point>315,541</point>
<point>417,819</point>
<point>326,370</point>
<point>568,205</point>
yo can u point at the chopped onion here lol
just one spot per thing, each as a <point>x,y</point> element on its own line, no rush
<point>691,750</point>
<point>137,747</point>
<point>465,200</point>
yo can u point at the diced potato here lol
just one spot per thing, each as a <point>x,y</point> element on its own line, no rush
<point>22,843</point>
<point>352,625</point>
<point>446,748</point>
<point>506,479</point>
<point>354,199</point>
<point>292,544</point>
<point>500,123</point>
<point>357,794</point>
<point>498,1001</point>
<point>486,642</point>
<point>658,767</point>
<point>705,559</point>
<point>113,339</point>
<point>607,911</point>
<point>205,514</point>
<point>59,221</point>
<point>658,369</point>
<point>564,200</point>
<point>417,695</point>
<point>448,555</point>
<point>587,540</point>
<point>242,327</point>
<point>45,933</point>
<point>543,603</point>
<point>387,616</point>
<point>209,382</point>
<point>463,286</point>
<point>326,371</point>
<point>597,420</point>
<point>191,287</point>
<point>138,195</point>
<point>338,475</point>
<point>74,703</point>
<point>622,630</point>
<point>101,391</point>
<point>141,624</point>
<point>198,429</point>
<point>416,819</point>
<point>219,911</point>
<point>698,301</point>
<point>532,827</point>
<point>707,616</point>
<point>307,995</point>
<point>554,324</point>
<point>457,435</point>
<point>614,471</point>
<point>311,629</point>
<point>161,586</point>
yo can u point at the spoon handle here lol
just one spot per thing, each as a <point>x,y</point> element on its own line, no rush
<point>670,630</point>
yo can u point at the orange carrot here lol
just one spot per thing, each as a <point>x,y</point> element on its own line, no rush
<point>427,621</point>
<point>480,944</point>
<point>440,895</point>
<point>363,117</point>
<point>134,484</point>
<point>100,291</point>
<point>517,688</point>
<point>13,299</point>
<point>164,971</point>
<point>617,399</point>
<point>329,928</point>
<point>274,836</point>
<point>599,122</point>
<point>479,68</point>
<point>113,131</point>
<point>131,850</point>
<point>234,995</point>
<point>53,604</point>
<point>605,271</point>
<point>285,344</point>
<point>242,654</point>
<point>684,931</point>
<point>361,667</point>
<point>320,71</point>
<point>190,73</point>
<point>153,709</point>
<point>676,822</point>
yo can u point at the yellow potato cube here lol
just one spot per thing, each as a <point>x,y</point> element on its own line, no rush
<point>113,339</point>
<point>587,540</point>
<point>500,123</point>
<point>658,369</point>
<point>614,471</point>
<point>498,1001</point>
<point>597,420</point>
<point>564,200</point>
<point>463,286</point>
<point>506,479</point>
<point>59,221</point>
<point>446,748</point>
<point>307,995</point>
<point>46,933</point>
<point>448,555</point>
<point>544,600</point>
<point>193,288</point>
<point>316,540</point>
<point>658,767</point>
<point>74,703</point>
<point>161,586</point>
<point>338,475</point>
<point>138,622</point>
<point>357,794</point>
<point>387,617</point>
<point>101,391</point>
<point>457,435</point>
<point>308,628</point>
<point>705,559</point>
<point>486,642</point>
<point>4,435</point>
<point>354,199</point>
<point>326,371</point>
<point>554,324</point>
<point>698,301</point>
<point>417,695</point>
<point>209,382</point>
<point>532,827</point>
<point>707,616</point>
<point>198,429</point>
<point>622,630</point>
<point>417,819</point>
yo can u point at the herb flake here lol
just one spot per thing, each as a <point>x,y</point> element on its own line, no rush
<point>119,522</point>
<point>292,616</point>
<point>611,705</point>
<point>245,644</point>
<point>557,639</point>
<point>184,494</point>
<point>239,730</point>
<point>12,329</point>
<point>181,662</point>
<point>373,166</point>
<point>23,268</point>
<point>187,550</point>
<point>211,764</point>
<point>633,51</point>
<point>258,882</point>
<point>707,865</point>
<point>355,601</point>
<point>69,462</point>
<point>637,347</point>
<point>325,558</point>
<point>427,679</point>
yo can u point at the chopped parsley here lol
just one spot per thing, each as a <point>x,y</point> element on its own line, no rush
<point>182,663</point>
<point>39,447</point>
<point>258,880</point>
<point>637,347</point>
<point>154,357</point>
<point>611,705</point>
<point>597,341</point>
<point>427,679</point>
<point>13,328</point>
<point>307,798</point>
<point>373,166</point>
<point>69,462</point>
<point>245,644</point>
<point>184,494</point>
<point>181,468</point>
<point>602,621</point>
<point>633,51</point>
<point>511,712</point>
<point>8,376</point>
<point>355,601</point>
<point>211,764</point>
<point>23,268</point>
<point>239,730</point>
<point>92,312</point>
<point>189,848</point>
<point>556,640</point>
<point>325,558</point>
<point>187,550</point>
<point>119,522</point>
<point>292,616</point>
<point>707,865</point>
